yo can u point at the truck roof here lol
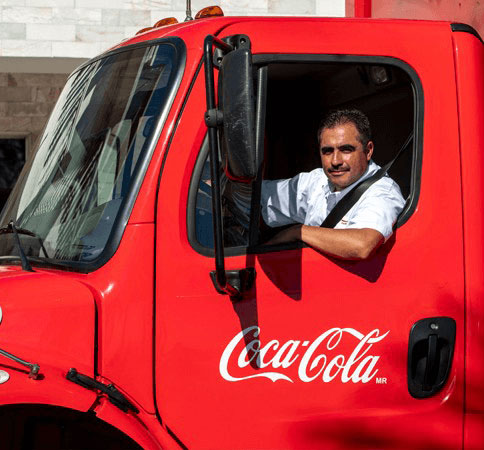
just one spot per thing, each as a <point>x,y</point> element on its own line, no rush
<point>214,25</point>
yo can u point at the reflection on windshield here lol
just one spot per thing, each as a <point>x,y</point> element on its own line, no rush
<point>71,191</point>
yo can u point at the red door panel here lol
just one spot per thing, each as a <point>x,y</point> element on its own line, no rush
<point>315,356</point>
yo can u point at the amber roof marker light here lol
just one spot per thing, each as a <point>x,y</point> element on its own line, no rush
<point>209,11</point>
<point>143,30</point>
<point>160,23</point>
<point>166,21</point>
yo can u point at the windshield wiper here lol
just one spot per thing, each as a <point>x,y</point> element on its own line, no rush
<point>8,229</point>
<point>25,262</point>
<point>11,228</point>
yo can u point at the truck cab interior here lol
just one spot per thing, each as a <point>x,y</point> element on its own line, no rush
<point>299,93</point>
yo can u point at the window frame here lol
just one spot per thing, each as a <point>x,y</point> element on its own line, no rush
<point>417,149</point>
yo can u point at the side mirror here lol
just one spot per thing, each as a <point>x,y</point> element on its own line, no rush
<point>235,118</point>
<point>237,104</point>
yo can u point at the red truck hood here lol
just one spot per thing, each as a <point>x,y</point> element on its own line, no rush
<point>47,319</point>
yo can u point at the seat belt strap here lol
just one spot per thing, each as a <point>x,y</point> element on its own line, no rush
<point>349,200</point>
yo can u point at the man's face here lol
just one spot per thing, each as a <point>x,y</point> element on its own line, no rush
<point>343,157</point>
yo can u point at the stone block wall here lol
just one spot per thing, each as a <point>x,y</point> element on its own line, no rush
<point>84,28</point>
<point>26,100</point>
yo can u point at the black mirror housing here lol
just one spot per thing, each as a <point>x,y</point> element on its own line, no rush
<point>236,100</point>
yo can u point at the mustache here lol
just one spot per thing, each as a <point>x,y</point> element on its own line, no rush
<point>338,169</point>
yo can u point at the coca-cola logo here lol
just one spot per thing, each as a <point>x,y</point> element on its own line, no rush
<point>317,360</point>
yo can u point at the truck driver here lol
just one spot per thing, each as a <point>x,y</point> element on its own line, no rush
<point>306,199</point>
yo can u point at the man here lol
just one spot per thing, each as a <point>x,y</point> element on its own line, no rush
<point>345,149</point>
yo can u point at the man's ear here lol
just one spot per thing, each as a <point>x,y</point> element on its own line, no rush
<point>369,150</point>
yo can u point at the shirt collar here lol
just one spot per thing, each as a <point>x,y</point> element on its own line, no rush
<point>370,170</point>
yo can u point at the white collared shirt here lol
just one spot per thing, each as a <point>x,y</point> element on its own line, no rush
<point>307,198</point>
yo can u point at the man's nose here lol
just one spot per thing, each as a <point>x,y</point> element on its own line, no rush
<point>336,159</point>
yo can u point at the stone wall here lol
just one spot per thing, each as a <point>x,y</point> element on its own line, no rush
<point>26,100</point>
<point>84,28</point>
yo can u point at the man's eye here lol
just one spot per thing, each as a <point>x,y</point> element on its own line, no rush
<point>326,151</point>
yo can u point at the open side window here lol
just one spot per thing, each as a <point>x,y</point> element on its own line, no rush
<point>236,201</point>
<point>300,90</point>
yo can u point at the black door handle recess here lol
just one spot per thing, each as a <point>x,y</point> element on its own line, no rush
<point>430,352</point>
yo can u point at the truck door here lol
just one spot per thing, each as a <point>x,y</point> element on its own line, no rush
<point>319,352</point>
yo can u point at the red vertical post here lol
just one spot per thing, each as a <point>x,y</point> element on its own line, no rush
<point>362,8</point>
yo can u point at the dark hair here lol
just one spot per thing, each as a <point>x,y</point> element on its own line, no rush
<point>342,116</point>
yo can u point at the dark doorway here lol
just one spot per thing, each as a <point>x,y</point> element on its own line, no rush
<point>12,159</point>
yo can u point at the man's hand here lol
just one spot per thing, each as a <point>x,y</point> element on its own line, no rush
<point>354,244</point>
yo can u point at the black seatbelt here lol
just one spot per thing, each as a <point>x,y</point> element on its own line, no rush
<point>349,200</point>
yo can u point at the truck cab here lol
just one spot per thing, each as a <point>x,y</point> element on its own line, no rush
<point>119,320</point>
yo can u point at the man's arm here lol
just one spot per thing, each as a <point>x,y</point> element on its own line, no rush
<point>355,244</point>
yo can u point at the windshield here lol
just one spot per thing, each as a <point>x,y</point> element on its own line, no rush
<point>100,131</point>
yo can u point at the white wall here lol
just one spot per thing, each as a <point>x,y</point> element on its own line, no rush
<point>84,28</point>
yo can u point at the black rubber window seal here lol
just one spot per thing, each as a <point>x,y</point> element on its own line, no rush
<point>464,28</point>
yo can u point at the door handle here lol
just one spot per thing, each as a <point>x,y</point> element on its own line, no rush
<point>430,352</point>
<point>431,361</point>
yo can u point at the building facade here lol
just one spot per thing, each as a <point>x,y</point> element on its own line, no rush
<point>42,41</point>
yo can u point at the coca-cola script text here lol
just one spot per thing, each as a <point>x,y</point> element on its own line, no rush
<point>312,358</point>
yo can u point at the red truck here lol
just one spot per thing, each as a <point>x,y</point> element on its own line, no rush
<point>139,304</point>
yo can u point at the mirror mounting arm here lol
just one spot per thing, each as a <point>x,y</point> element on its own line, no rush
<point>220,276</point>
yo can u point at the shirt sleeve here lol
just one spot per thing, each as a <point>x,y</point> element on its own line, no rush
<point>284,202</point>
<point>378,208</point>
